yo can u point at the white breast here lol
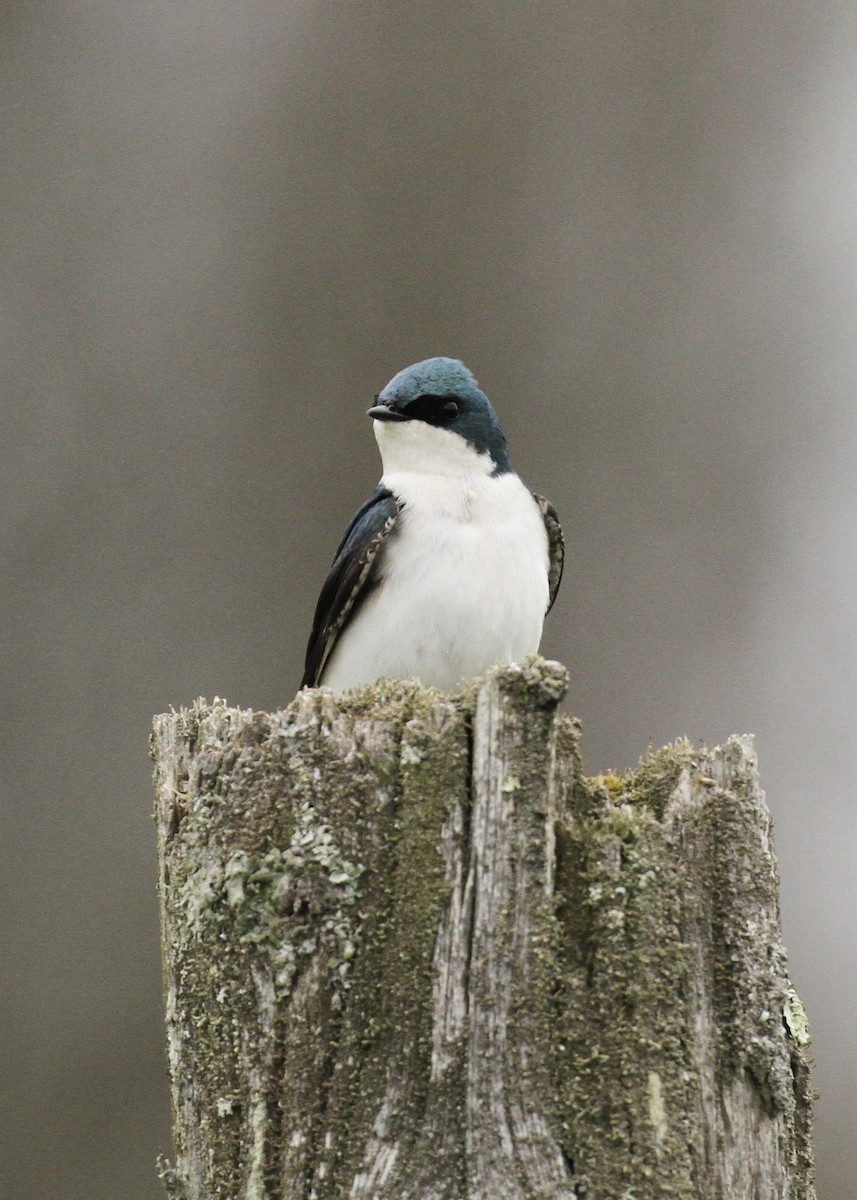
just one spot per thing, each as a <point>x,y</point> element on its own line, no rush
<point>464,584</point>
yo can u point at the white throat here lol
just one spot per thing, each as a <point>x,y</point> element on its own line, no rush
<point>416,447</point>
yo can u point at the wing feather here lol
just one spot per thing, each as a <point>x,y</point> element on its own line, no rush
<point>556,546</point>
<point>353,574</point>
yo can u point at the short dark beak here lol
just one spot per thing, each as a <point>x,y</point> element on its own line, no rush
<point>382,412</point>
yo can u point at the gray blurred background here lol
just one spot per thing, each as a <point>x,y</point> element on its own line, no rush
<point>225,226</point>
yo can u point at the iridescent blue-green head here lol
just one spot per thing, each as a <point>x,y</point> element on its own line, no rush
<point>433,416</point>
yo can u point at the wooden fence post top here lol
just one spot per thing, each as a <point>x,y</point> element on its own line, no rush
<point>411,953</point>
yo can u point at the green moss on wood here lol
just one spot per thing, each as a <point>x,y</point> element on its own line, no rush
<point>309,859</point>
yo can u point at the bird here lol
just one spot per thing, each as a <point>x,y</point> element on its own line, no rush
<point>451,565</point>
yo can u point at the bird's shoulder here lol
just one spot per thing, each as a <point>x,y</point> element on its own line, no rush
<point>352,574</point>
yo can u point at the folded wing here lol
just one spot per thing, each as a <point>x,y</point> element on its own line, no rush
<point>556,547</point>
<point>355,571</point>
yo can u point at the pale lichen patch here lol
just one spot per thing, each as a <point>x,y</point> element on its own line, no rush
<point>794,1015</point>
<point>657,1108</point>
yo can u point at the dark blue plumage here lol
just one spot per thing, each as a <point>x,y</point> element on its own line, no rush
<point>416,390</point>
<point>352,575</point>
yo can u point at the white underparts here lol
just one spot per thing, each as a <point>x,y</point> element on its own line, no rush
<point>464,576</point>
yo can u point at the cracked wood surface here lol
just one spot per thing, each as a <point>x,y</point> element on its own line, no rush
<point>410,953</point>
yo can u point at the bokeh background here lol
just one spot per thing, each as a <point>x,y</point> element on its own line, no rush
<point>225,226</point>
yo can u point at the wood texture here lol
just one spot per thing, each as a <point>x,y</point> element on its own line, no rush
<point>411,954</point>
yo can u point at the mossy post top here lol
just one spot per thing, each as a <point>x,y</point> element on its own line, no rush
<point>409,950</point>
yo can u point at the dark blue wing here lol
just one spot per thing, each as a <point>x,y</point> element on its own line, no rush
<point>354,572</point>
<point>556,546</point>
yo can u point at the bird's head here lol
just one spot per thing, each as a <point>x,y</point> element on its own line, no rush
<point>433,417</point>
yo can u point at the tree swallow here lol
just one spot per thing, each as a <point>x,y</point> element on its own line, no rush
<point>450,567</point>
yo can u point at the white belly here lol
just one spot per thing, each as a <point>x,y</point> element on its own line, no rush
<point>464,586</point>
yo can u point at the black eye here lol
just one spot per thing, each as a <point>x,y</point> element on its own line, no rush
<point>434,410</point>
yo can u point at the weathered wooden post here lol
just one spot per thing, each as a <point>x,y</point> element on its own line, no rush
<point>411,954</point>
